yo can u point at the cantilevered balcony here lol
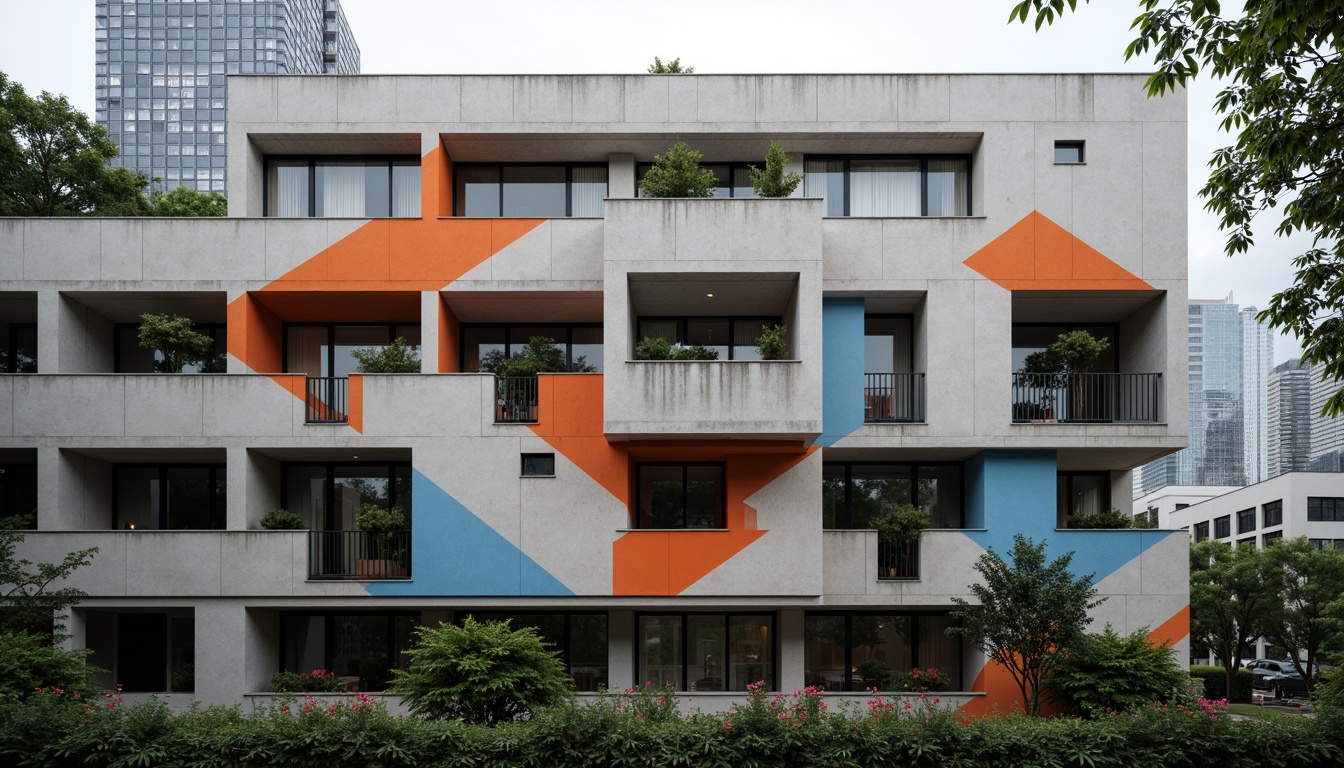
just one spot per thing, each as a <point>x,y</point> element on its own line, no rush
<point>1097,398</point>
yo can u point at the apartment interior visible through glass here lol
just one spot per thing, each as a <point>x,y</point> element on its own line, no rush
<point>361,649</point>
<point>734,338</point>
<point>329,496</point>
<point>581,342</point>
<point>935,185</point>
<point>1081,493</point>
<point>679,495</point>
<point>854,495</point>
<point>541,190</point>
<point>707,652</point>
<point>339,187</point>
<point>859,651</point>
<point>168,497</point>
<point>325,349</point>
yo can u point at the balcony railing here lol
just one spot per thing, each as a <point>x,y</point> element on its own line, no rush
<point>360,555</point>
<point>897,562</point>
<point>893,397</point>
<point>1087,397</point>
<point>327,400</point>
<point>515,400</point>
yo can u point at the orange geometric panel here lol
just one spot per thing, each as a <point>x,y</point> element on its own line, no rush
<point>1036,254</point>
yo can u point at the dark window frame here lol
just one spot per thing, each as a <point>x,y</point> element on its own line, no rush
<point>1267,539</point>
<point>727,623</point>
<point>849,634</point>
<point>522,470</point>
<point>721,522</point>
<point>313,160</point>
<point>218,517</point>
<point>1272,513</point>
<point>218,333</point>
<point>1245,521</point>
<point>923,176</point>
<point>914,485</point>
<point>331,337</point>
<point>568,341</point>
<point>1078,144</point>
<point>1222,527</point>
<point>1062,515</point>
<point>327,632</point>
<point>1201,531</point>
<point>329,484</point>
<point>459,204</point>
<point>9,490</point>
<point>642,168</point>
<point>1317,511</point>
<point>683,322</point>
<point>565,648</point>
<point>1073,325</point>
<point>10,362</point>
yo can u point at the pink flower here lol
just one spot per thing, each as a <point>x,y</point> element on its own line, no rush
<point>727,725</point>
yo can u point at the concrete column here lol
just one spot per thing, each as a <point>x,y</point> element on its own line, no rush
<point>258,490</point>
<point>74,492</point>
<point>620,649</point>
<point>236,323</point>
<point>221,651</point>
<point>48,331</point>
<point>621,175</point>
<point>263,648</point>
<point>429,331</point>
<point>792,646</point>
<point>795,166</point>
<point>1122,491</point>
<point>235,488</point>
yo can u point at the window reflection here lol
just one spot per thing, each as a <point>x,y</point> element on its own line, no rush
<point>707,652</point>
<point>854,495</point>
<point>861,651</point>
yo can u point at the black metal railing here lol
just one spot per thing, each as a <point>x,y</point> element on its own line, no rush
<point>893,397</point>
<point>327,400</point>
<point>897,561</point>
<point>515,399</point>
<point>359,555</point>
<point>1087,397</point>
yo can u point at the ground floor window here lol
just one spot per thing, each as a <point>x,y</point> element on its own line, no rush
<point>860,651</point>
<point>143,652</point>
<point>580,639</point>
<point>360,648</point>
<point>707,652</point>
<point>169,497</point>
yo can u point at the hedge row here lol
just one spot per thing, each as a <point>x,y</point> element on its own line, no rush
<point>47,731</point>
<point>1215,683</point>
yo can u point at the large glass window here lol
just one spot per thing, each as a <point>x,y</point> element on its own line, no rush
<point>1273,513</point>
<point>133,358</point>
<point>854,495</point>
<point>1246,520</point>
<point>1035,337</point>
<point>541,190</point>
<point>19,355</point>
<point>18,493</point>
<point>680,496</point>
<point>733,338</point>
<point>937,185</point>
<point>860,651</point>
<point>168,497</point>
<point>343,187</point>
<point>1325,509</point>
<point>359,648</point>
<point>326,349</point>
<point>1201,531</point>
<point>1081,493</point>
<point>733,179</point>
<point>582,344</point>
<point>329,496</point>
<point>1222,527</point>
<point>707,652</point>
<point>581,639</point>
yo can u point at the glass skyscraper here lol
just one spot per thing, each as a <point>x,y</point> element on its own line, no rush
<point>161,69</point>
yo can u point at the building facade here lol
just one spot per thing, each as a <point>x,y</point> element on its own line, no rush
<point>1257,361</point>
<point>160,72</point>
<point>706,522</point>
<point>1290,418</point>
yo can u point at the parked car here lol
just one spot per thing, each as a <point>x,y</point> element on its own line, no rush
<point>1263,669</point>
<point>1290,684</point>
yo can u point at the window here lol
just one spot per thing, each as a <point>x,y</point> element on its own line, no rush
<point>326,349</point>
<point>538,465</point>
<point>1180,506</point>
<point>580,638</point>
<point>130,357</point>
<point>1249,541</point>
<point>680,496</point>
<point>938,185</point>
<point>1246,520</point>
<point>328,496</point>
<point>18,492</point>
<point>19,354</point>
<point>343,187</point>
<point>582,344</point>
<point>1069,152</point>
<point>1325,509</point>
<point>1222,527</point>
<point>888,344</point>
<point>859,651</point>
<point>168,497</point>
<point>1272,513</point>
<point>143,652</point>
<point>550,191</point>
<point>1081,493</point>
<point>853,495</point>
<point>359,648</point>
<point>1201,531</point>
<point>734,338</point>
<point>1035,337</point>
<point>1327,543</point>
<point>734,179</point>
<point>1269,538</point>
<point>707,652</point>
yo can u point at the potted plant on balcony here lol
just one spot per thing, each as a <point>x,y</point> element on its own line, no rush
<point>772,181</point>
<point>773,343</point>
<point>1111,518</point>
<point>397,357</point>
<point>658,348</point>
<point>379,524</point>
<point>1052,369</point>
<point>898,532</point>
<point>677,173</point>
<point>515,375</point>
<point>282,520</point>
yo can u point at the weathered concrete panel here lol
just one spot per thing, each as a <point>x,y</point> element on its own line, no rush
<point>62,249</point>
<point>122,249</point>
<point>165,404</point>
<point>307,99</point>
<point>367,99</point>
<point>857,99</point>
<point>487,99</point>
<point>646,98</point>
<point>726,99</point>
<point>543,99</point>
<point>76,406</point>
<point>1003,98</point>
<point>599,99</point>
<point>786,99</point>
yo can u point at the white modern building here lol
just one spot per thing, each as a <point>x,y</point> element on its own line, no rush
<point>706,522</point>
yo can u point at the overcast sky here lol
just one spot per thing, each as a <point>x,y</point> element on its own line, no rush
<point>48,45</point>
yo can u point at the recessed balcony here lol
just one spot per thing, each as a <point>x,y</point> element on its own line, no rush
<point>1087,398</point>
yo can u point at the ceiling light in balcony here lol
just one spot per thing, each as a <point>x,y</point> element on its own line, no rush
<point>709,295</point>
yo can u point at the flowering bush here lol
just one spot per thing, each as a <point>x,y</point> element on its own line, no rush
<point>651,702</point>
<point>317,681</point>
<point>923,680</point>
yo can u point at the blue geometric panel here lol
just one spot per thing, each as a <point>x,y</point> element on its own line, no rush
<point>457,553</point>
<point>842,368</point>
<point>1009,492</point>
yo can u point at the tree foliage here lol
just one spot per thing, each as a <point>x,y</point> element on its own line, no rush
<point>1232,595</point>
<point>1028,612</point>
<point>1109,672</point>
<point>53,161</point>
<point>677,173</point>
<point>1283,63</point>
<point>480,672</point>
<point>397,357</point>
<point>176,340</point>
<point>541,355</point>
<point>184,201</point>
<point>29,600</point>
<point>1307,614</point>
<point>1072,352</point>
<point>672,67</point>
<point>29,663</point>
<point>772,181</point>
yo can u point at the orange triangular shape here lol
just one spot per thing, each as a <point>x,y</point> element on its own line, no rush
<point>1036,254</point>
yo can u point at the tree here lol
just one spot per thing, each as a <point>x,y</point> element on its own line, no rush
<point>26,588</point>
<point>53,161</point>
<point>677,173</point>
<point>1310,603</point>
<point>772,181</point>
<point>1285,103</point>
<point>1110,672</point>
<point>29,663</point>
<point>672,67</point>
<point>1028,613</point>
<point>541,355</point>
<point>185,201</point>
<point>481,672</point>
<point>1233,592</point>
<point>176,339</point>
<point>397,357</point>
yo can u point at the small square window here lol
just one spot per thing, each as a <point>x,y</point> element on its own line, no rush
<point>1068,153</point>
<point>538,465</point>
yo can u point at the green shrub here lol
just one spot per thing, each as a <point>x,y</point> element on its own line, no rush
<point>1215,683</point>
<point>658,348</point>
<point>772,181</point>
<point>397,357</point>
<point>29,664</point>
<point>1111,518</point>
<point>317,681</point>
<point>1108,672</point>
<point>374,518</point>
<point>176,339</point>
<point>282,520</point>
<point>677,173</point>
<point>773,343</point>
<point>481,672</point>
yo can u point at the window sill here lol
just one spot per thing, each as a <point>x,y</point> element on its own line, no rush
<point>538,477</point>
<point>1070,163</point>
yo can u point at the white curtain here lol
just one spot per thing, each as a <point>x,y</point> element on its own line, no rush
<point>826,179</point>
<point>947,187</point>
<point>588,189</point>
<point>341,190</point>
<point>289,190</point>
<point>406,191</point>
<point>664,329</point>
<point>884,188</point>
